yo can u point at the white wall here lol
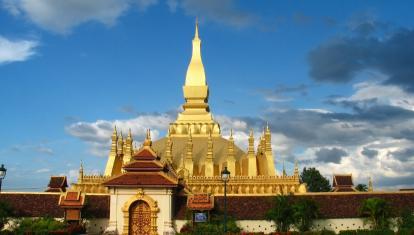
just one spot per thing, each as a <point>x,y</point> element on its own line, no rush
<point>267,226</point>
<point>120,196</point>
<point>96,226</point>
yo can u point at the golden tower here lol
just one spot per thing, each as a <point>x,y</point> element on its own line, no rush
<point>196,149</point>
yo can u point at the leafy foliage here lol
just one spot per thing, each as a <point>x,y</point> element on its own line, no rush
<point>406,221</point>
<point>214,226</point>
<point>6,212</point>
<point>362,188</point>
<point>377,211</point>
<point>314,180</point>
<point>38,226</point>
<point>281,213</point>
<point>304,212</point>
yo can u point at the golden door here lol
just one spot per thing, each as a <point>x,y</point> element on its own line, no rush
<point>139,218</point>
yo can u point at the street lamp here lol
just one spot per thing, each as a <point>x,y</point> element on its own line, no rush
<point>2,174</point>
<point>225,176</point>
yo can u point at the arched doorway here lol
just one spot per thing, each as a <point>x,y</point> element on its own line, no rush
<point>139,218</point>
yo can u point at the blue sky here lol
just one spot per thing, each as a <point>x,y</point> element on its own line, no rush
<point>333,79</point>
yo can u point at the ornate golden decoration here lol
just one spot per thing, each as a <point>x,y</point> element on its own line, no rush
<point>132,209</point>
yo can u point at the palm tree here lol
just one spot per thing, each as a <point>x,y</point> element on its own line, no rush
<point>281,213</point>
<point>362,188</point>
<point>377,211</point>
<point>304,212</point>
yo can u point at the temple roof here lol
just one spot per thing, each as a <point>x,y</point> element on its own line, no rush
<point>149,179</point>
<point>343,183</point>
<point>57,184</point>
<point>145,169</point>
<point>199,149</point>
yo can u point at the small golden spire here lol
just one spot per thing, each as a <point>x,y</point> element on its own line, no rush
<point>284,170</point>
<point>296,171</point>
<point>168,148</point>
<point>147,141</point>
<point>251,143</point>
<point>81,168</point>
<point>129,134</point>
<point>121,144</point>
<point>196,29</point>
<point>80,177</point>
<point>209,147</point>
<point>370,185</point>
<point>189,152</point>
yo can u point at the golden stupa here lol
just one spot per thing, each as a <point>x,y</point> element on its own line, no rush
<point>198,152</point>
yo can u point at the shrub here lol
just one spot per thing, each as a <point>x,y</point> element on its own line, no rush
<point>304,212</point>
<point>281,213</point>
<point>377,211</point>
<point>6,212</point>
<point>38,226</point>
<point>406,221</point>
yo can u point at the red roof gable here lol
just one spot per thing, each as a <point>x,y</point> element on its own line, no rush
<point>342,180</point>
<point>145,154</point>
<point>72,199</point>
<point>144,166</point>
<point>57,184</point>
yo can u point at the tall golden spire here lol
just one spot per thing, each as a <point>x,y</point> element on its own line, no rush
<point>195,72</point>
<point>195,109</point>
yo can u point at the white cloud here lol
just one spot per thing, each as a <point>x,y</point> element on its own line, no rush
<point>62,15</point>
<point>16,50</point>
<point>383,94</point>
<point>46,150</point>
<point>98,134</point>
<point>43,170</point>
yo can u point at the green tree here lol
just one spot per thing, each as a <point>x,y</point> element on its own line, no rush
<point>314,180</point>
<point>406,220</point>
<point>377,211</point>
<point>281,213</point>
<point>6,212</point>
<point>304,212</point>
<point>362,188</point>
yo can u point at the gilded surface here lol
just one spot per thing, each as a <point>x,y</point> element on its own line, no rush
<point>199,158</point>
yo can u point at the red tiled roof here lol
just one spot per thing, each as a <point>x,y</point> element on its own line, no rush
<point>144,154</point>
<point>57,184</point>
<point>144,166</point>
<point>342,180</point>
<point>141,179</point>
<point>72,199</point>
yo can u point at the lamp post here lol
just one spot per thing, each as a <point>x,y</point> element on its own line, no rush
<point>225,176</point>
<point>2,174</point>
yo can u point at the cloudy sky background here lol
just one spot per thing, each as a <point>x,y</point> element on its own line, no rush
<point>333,79</point>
